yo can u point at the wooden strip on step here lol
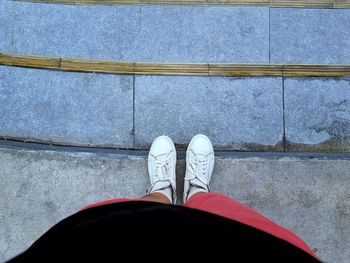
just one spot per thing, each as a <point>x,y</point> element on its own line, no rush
<point>29,61</point>
<point>175,69</point>
<point>266,3</point>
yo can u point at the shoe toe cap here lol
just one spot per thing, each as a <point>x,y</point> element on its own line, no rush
<point>161,145</point>
<point>201,144</point>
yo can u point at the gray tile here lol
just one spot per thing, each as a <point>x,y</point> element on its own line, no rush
<point>77,108</point>
<point>310,36</point>
<point>6,23</point>
<point>239,114</point>
<point>93,32</point>
<point>178,34</point>
<point>317,114</point>
<point>204,34</point>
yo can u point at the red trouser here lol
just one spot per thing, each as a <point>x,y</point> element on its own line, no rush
<point>227,207</point>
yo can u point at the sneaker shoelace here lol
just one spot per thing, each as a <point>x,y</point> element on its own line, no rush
<point>162,169</point>
<point>199,167</point>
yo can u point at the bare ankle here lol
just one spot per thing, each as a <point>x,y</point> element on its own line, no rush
<point>157,197</point>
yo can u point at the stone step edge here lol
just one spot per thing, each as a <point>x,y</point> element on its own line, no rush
<point>181,153</point>
<point>175,69</point>
<point>260,3</point>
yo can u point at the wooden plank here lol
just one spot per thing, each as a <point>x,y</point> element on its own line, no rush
<point>97,66</point>
<point>267,3</point>
<point>189,69</point>
<point>209,2</point>
<point>171,69</point>
<point>29,61</point>
<point>105,2</point>
<point>316,70</point>
<point>341,3</point>
<point>244,70</point>
<point>302,3</point>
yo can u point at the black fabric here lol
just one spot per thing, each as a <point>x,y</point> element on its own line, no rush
<point>154,232</point>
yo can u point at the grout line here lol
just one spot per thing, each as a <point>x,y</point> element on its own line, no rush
<point>17,144</point>
<point>133,111</point>
<point>140,19</point>
<point>269,35</point>
<point>283,117</point>
<point>13,26</point>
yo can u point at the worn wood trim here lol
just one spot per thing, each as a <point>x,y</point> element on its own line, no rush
<point>316,70</point>
<point>208,2</point>
<point>266,3</point>
<point>97,66</point>
<point>171,69</point>
<point>29,61</point>
<point>302,3</point>
<point>245,70</point>
<point>341,4</point>
<point>189,69</point>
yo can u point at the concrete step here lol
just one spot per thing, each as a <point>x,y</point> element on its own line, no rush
<point>307,193</point>
<point>177,33</point>
<point>118,111</point>
<point>249,114</point>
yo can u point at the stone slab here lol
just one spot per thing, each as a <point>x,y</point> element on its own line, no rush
<point>146,33</point>
<point>204,34</point>
<point>308,195</point>
<point>6,24</point>
<point>310,36</point>
<point>317,114</point>
<point>90,32</point>
<point>65,107</point>
<point>236,113</point>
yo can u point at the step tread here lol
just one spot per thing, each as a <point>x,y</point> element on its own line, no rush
<point>120,111</point>
<point>308,196</point>
<point>177,34</point>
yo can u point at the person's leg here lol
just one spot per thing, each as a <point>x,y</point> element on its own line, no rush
<point>227,207</point>
<point>161,169</point>
<point>153,197</point>
<point>199,168</point>
<point>157,197</point>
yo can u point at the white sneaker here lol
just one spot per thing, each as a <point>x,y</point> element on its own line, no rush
<point>199,164</point>
<point>161,166</point>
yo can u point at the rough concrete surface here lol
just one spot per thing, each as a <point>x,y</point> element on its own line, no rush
<point>132,33</point>
<point>310,196</point>
<point>6,18</point>
<point>236,113</point>
<point>120,111</point>
<point>78,108</point>
<point>204,34</point>
<point>90,32</point>
<point>310,36</point>
<point>317,114</point>
<point>177,34</point>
